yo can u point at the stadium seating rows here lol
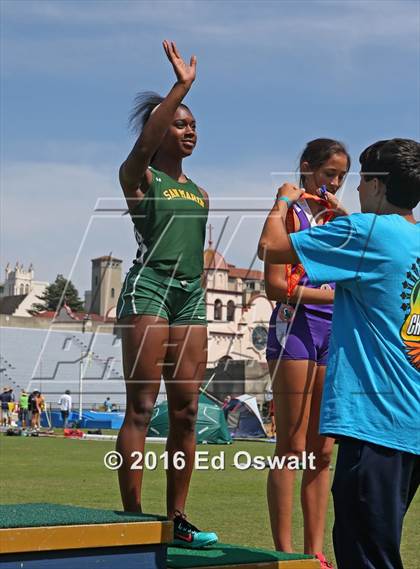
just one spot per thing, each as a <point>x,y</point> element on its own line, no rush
<point>52,361</point>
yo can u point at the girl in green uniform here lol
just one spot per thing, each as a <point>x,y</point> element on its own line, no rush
<point>161,309</point>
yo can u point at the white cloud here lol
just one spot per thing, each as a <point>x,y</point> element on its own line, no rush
<point>360,20</point>
<point>93,35</point>
<point>49,214</point>
<point>46,210</point>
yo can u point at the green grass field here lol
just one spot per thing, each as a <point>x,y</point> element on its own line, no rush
<point>230,501</point>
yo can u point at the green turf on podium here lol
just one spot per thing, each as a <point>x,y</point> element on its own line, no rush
<point>52,536</point>
<point>221,556</point>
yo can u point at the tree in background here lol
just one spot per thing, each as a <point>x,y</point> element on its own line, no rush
<point>53,298</point>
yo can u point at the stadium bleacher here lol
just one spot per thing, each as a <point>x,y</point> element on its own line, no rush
<point>50,360</point>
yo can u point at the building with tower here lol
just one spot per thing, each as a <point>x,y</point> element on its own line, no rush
<point>20,291</point>
<point>106,286</point>
<point>237,308</point>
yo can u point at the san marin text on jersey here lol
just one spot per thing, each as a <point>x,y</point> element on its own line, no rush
<point>174,193</point>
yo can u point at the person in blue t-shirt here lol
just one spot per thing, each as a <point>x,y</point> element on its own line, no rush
<point>371,398</point>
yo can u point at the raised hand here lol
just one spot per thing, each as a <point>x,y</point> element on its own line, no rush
<point>185,73</point>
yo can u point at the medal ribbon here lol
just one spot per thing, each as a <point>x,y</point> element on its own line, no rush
<point>293,278</point>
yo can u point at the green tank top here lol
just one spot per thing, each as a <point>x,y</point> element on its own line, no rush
<point>170,227</point>
<point>23,401</point>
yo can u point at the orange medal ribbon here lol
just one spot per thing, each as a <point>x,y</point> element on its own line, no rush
<point>293,278</point>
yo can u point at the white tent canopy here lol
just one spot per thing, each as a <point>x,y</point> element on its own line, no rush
<point>251,402</point>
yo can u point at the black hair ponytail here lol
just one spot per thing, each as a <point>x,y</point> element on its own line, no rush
<point>144,103</point>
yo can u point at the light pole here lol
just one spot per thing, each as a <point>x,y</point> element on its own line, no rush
<point>82,368</point>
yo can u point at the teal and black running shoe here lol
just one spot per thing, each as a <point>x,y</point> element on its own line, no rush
<point>187,535</point>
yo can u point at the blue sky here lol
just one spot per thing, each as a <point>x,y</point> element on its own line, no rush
<point>271,76</point>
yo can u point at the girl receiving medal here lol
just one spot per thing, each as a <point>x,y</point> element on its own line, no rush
<point>297,350</point>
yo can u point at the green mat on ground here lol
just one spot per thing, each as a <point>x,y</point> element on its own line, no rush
<point>30,515</point>
<point>221,554</point>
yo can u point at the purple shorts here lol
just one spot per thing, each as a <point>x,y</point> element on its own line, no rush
<point>306,337</point>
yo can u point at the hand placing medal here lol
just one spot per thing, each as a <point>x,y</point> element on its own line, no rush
<point>323,192</point>
<point>290,194</point>
<point>336,208</point>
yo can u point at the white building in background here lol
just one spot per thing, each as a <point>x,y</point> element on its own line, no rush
<point>238,311</point>
<point>20,291</point>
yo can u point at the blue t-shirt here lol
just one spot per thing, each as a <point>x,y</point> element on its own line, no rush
<point>372,385</point>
